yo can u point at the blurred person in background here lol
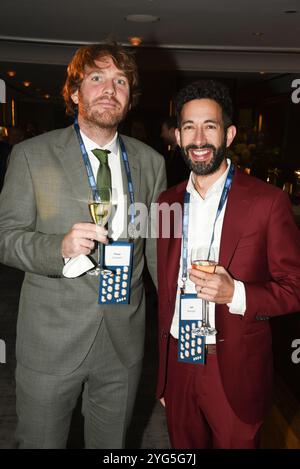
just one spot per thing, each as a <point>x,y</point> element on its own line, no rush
<point>176,169</point>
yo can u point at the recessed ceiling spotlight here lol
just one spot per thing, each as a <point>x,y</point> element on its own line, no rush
<point>135,41</point>
<point>257,34</point>
<point>46,96</point>
<point>26,83</point>
<point>11,73</point>
<point>142,18</point>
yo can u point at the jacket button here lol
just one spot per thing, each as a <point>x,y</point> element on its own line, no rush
<point>164,335</point>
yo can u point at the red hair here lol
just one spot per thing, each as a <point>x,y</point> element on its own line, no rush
<point>85,57</point>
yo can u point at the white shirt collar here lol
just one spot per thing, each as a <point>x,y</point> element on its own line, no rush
<point>216,187</point>
<point>90,145</point>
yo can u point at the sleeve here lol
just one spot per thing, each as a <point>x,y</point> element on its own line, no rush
<point>281,294</point>
<point>21,246</point>
<point>238,304</point>
<point>151,241</point>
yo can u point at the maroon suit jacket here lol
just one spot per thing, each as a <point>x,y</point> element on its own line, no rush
<point>259,246</point>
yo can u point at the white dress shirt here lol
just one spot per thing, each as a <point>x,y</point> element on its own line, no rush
<point>118,197</point>
<point>202,213</point>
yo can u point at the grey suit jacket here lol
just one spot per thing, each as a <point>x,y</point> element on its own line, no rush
<point>45,193</point>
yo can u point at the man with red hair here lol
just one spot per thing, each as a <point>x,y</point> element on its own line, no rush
<point>66,340</point>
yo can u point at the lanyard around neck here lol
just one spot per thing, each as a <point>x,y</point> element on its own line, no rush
<point>185,221</point>
<point>90,173</point>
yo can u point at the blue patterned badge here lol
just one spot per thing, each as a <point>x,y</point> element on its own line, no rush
<point>114,287</point>
<point>191,346</point>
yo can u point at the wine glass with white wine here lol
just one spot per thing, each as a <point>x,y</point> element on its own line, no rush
<point>204,259</point>
<point>100,206</point>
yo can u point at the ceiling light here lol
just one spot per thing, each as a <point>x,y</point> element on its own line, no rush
<point>257,34</point>
<point>46,96</point>
<point>142,18</point>
<point>11,73</point>
<point>135,40</point>
<point>26,83</point>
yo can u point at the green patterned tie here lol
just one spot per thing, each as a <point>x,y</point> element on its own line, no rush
<point>104,174</point>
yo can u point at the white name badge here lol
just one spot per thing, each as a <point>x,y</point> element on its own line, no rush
<point>191,347</point>
<point>114,287</point>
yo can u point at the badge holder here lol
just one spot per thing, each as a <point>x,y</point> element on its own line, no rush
<point>114,287</point>
<point>191,347</point>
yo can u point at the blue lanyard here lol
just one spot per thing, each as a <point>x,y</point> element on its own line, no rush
<point>85,157</point>
<point>129,180</point>
<point>90,173</point>
<point>185,221</point>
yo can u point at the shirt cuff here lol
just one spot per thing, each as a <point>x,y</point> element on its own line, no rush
<point>238,303</point>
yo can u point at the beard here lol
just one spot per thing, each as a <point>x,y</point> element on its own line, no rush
<point>106,119</point>
<point>202,168</point>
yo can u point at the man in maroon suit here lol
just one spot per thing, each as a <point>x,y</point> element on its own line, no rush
<point>222,403</point>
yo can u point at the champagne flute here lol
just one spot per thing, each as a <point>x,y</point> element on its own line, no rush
<point>100,206</point>
<point>204,259</point>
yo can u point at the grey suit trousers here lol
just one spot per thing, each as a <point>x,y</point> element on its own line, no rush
<point>45,402</point>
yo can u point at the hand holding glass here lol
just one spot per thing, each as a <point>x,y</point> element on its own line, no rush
<point>100,206</point>
<point>204,259</point>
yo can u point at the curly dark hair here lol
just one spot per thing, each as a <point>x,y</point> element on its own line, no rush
<point>86,56</point>
<point>206,89</point>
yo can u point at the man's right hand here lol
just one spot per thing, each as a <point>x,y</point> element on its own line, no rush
<point>81,239</point>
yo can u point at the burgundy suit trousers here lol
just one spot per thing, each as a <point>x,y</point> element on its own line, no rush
<point>197,409</point>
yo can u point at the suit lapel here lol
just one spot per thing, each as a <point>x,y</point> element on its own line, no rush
<point>134,165</point>
<point>174,248</point>
<point>74,168</point>
<point>174,253</point>
<point>134,169</point>
<point>235,219</point>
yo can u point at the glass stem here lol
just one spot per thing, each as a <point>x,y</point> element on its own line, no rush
<point>206,313</point>
<point>100,254</point>
<point>100,251</point>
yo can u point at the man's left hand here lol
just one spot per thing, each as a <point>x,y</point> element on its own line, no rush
<point>217,287</point>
